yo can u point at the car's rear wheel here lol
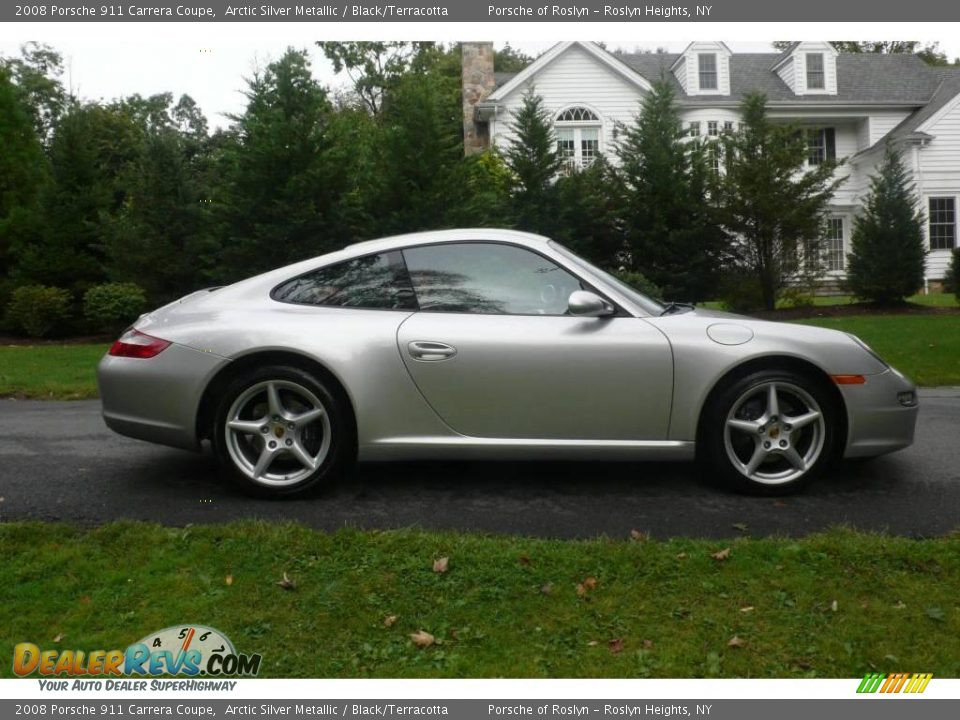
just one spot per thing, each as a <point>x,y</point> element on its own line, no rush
<point>770,432</point>
<point>281,431</point>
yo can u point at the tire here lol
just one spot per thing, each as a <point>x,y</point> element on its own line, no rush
<point>762,448</point>
<point>280,431</point>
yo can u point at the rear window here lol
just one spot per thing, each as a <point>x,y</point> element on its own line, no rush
<point>373,282</point>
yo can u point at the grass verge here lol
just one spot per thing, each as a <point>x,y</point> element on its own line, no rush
<point>925,347</point>
<point>837,604</point>
<point>50,372</point>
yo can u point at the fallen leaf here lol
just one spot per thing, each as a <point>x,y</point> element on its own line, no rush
<point>546,588</point>
<point>742,527</point>
<point>58,637</point>
<point>834,606</point>
<point>736,642</point>
<point>779,504</point>
<point>648,644</point>
<point>440,564</point>
<point>586,586</point>
<point>85,600</point>
<point>422,639</point>
<point>638,536</point>
<point>524,560</point>
<point>389,620</point>
<point>228,579</point>
<point>721,555</point>
<point>593,643</point>
<point>615,645</point>
<point>681,556</point>
<point>287,583</point>
<point>746,608</point>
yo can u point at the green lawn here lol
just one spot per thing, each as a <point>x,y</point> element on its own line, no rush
<point>838,604</point>
<point>931,300</point>
<point>62,372</point>
<point>925,347</point>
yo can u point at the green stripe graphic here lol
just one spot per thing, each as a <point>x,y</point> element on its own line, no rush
<point>871,682</point>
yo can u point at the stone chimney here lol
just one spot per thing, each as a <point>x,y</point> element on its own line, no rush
<point>478,82</point>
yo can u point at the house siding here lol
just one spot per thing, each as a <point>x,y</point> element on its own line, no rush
<point>787,72</point>
<point>939,175</point>
<point>575,78</point>
<point>881,123</point>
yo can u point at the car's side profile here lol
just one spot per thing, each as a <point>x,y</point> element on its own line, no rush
<point>490,344</point>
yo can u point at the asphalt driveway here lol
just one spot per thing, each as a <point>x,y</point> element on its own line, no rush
<point>59,462</point>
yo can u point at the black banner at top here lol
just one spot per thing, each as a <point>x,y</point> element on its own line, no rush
<point>481,11</point>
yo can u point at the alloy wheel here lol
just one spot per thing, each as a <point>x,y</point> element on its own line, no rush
<point>277,432</point>
<point>774,433</point>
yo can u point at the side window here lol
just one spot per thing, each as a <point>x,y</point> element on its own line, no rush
<point>488,278</point>
<point>375,282</point>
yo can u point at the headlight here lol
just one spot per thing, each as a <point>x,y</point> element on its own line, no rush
<point>868,349</point>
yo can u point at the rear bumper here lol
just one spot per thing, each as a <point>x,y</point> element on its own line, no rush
<point>157,399</point>
<point>877,423</point>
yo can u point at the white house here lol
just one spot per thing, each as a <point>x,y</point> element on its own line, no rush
<point>851,104</point>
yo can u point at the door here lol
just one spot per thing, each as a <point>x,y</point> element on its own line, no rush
<point>495,355</point>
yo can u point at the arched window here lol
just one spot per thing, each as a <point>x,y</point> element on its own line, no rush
<point>578,136</point>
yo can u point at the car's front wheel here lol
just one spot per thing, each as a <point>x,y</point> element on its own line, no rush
<point>280,431</point>
<point>770,432</point>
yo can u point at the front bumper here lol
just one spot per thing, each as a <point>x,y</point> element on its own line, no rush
<point>157,399</point>
<point>877,422</point>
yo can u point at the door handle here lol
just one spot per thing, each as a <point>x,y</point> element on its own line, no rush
<point>430,351</point>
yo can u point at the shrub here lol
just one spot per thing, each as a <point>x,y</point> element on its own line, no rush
<point>639,282</point>
<point>796,297</point>
<point>112,306</point>
<point>887,256</point>
<point>951,281</point>
<point>740,292</point>
<point>38,310</point>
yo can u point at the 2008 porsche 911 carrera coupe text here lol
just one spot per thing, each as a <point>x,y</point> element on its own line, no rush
<point>490,344</point>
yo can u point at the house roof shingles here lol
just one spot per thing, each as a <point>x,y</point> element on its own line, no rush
<point>861,78</point>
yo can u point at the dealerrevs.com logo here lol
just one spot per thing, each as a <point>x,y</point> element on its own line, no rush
<point>894,683</point>
<point>184,650</point>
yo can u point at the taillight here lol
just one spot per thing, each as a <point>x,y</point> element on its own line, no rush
<point>135,344</point>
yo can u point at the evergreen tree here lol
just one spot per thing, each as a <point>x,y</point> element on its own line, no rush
<point>91,152</point>
<point>769,201</point>
<point>535,162</point>
<point>951,281</point>
<point>419,148</point>
<point>281,186</point>
<point>887,257</point>
<point>588,214</point>
<point>23,172</point>
<point>162,238</point>
<point>671,235</point>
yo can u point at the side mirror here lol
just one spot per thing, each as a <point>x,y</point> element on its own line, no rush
<point>587,304</point>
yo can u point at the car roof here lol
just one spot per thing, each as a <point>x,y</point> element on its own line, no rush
<point>442,236</point>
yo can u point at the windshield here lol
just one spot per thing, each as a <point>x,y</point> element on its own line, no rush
<point>648,304</point>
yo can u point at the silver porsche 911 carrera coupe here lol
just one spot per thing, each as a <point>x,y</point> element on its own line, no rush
<point>490,344</point>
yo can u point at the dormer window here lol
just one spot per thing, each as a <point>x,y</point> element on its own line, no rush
<point>708,71</point>
<point>816,78</point>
